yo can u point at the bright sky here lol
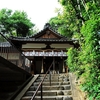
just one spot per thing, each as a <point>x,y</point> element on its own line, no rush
<point>39,11</point>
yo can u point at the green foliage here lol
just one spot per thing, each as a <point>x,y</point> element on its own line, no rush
<point>55,22</point>
<point>72,59</point>
<point>15,23</point>
<point>63,2</point>
<point>85,61</point>
<point>21,23</point>
<point>66,22</point>
<point>81,20</point>
<point>4,19</point>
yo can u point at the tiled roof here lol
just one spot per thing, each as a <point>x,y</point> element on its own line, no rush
<point>5,44</point>
<point>34,35</point>
<point>41,40</point>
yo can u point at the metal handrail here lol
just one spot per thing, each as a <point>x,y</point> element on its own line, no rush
<point>40,84</point>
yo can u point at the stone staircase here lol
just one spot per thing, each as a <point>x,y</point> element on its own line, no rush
<point>60,88</point>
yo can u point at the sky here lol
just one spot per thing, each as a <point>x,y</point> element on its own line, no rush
<point>39,11</point>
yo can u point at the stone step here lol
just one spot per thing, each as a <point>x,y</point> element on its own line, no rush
<point>52,83</point>
<point>42,75</point>
<point>55,74</point>
<point>55,77</point>
<point>45,93</point>
<point>50,93</point>
<point>60,88</point>
<point>53,80</point>
<point>49,98</point>
<point>56,87</point>
<point>49,78</point>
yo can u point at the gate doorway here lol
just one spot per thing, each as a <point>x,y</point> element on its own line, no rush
<point>57,66</point>
<point>47,63</point>
<point>41,65</point>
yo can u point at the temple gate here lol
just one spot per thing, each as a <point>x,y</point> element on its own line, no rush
<point>43,48</point>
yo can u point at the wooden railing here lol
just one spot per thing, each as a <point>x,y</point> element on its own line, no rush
<point>40,84</point>
<point>12,54</point>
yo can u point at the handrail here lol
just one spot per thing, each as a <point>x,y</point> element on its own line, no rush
<point>40,84</point>
<point>12,54</point>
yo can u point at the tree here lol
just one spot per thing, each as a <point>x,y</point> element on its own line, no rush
<point>66,21</point>
<point>16,23</point>
<point>86,63</point>
<point>21,23</point>
<point>4,19</point>
<point>82,18</point>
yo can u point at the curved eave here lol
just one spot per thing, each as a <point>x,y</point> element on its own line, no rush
<point>45,41</point>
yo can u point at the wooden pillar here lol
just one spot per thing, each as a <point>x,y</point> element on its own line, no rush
<point>42,69</point>
<point>53,65</point>
<point>63,67</point>
<point>33,66</point>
